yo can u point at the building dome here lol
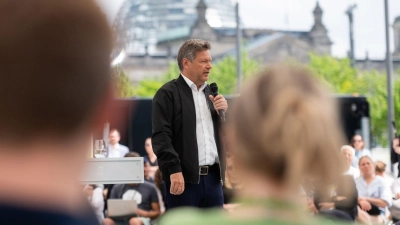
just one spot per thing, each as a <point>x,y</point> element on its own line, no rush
<point>139,23</point>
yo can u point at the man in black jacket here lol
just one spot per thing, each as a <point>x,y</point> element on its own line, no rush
<point>186,132</point>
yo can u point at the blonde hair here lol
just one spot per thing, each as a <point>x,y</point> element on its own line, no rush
<point>380,166</point>
<point>286,128</point>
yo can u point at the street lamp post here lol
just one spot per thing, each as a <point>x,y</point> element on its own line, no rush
<point>238,49</point>
<point>349,12</point>
<point>389,67</point>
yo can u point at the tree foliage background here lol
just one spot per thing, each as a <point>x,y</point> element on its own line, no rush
<point>335,73</point>
<point>223,73</point>
<point>343,79</point>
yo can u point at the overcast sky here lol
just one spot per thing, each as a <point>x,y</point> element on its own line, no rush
<point>369,26</point>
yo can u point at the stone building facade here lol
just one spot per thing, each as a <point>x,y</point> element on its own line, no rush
<point>265,45</point>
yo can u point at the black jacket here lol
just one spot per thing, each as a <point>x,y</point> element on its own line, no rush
<point>174,131</point>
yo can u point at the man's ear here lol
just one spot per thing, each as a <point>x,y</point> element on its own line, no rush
<point>185,63</point>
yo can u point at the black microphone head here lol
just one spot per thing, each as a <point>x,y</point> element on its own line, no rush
<point>214,89</point>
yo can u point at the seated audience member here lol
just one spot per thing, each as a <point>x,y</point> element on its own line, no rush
<point>150,154</point>
<point>357,142</point>
<point>396,146</point>
<point>395,208</point>
<point>276,131</point>
<point>145,195</point>
<point>114,148</point>
<point>159,183</point>
<point>96,199</point>
<point>380,170</point>
<point>147,170</point>
<point>151,157</point>
<point>55,89</point>
<point>348,153</point>
<point>373,193</point>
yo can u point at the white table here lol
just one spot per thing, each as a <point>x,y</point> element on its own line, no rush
<point>113,171</point>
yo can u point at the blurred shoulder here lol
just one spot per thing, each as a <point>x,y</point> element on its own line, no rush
<point>118,187</point>
<point>380,179</point>
<point>148,184</point>
<point>195,216</point>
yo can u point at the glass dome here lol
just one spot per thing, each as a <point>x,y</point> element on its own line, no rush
<point>139,23</point>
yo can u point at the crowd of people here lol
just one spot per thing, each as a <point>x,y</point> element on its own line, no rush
<point>365,193</point>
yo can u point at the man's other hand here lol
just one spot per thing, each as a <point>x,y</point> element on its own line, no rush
<point>177,183</point>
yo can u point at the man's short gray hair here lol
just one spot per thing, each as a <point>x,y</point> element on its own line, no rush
<point>189,50</point>
<point>344,147</point>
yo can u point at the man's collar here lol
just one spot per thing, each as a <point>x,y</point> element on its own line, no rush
<point>114,146</point>
<point>193,85</point>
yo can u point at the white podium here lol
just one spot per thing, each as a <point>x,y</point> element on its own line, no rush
<point>113,171</point>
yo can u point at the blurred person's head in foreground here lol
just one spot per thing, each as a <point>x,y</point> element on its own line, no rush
<point>284,128</point>
<point>54,89</point>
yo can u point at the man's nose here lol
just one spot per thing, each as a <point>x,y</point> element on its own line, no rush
<point>209,65</point>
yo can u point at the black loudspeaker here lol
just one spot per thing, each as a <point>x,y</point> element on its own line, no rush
<point>351,110</point>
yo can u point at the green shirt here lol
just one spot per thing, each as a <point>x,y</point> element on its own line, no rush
<point>272,213</point>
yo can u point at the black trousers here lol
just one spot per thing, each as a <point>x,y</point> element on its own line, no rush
<point>206,194</point>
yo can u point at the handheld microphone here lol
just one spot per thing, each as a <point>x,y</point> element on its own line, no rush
<point>214,90</point>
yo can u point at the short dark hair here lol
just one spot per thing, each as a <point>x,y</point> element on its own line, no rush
<point>189,50</point>
<point>55,70</point>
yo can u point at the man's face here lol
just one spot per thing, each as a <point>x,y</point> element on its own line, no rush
<point>114,138</point>
<point>358,142</point>
<point>198,70</point>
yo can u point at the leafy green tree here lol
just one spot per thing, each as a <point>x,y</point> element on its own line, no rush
<point>343,79</point>
<point>124,87</point>
<point>335,73</point>
<point>224,73</point>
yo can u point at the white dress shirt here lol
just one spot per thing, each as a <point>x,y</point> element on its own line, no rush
<point>117,151</point>
<point>208,154</point>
